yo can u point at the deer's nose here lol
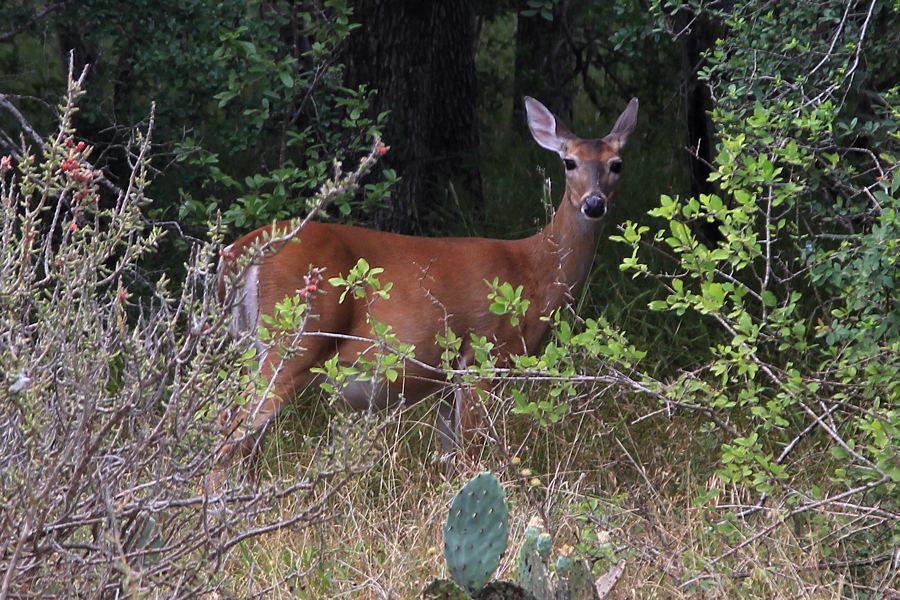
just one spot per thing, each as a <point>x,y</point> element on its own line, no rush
<point>593,206</point>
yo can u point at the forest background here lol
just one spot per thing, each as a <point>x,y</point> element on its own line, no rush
<point>722,414</point>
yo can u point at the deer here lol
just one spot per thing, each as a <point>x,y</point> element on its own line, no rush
<point>439,285</point>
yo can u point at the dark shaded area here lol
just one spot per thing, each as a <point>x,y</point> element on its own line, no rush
<point>545,66</point>
<point>420,57</point>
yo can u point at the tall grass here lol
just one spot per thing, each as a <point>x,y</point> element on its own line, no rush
<point>617,478</point>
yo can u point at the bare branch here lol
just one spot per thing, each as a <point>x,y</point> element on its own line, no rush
<point>9,35</point>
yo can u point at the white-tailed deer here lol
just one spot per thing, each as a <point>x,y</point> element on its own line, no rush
<point>439,284</point>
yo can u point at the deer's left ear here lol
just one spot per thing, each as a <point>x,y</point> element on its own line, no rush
<point>623,127</point>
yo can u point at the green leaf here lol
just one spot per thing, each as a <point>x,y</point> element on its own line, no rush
<point>894,472</point>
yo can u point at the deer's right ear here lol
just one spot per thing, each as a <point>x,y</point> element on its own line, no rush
<point>542,124</point>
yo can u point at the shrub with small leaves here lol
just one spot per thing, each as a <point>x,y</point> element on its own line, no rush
<point>109,385</point>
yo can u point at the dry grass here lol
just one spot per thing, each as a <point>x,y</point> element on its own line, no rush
<point>603,474</point>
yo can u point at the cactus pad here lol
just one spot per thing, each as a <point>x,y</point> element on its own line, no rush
<point>476,532</point>
<point>532,570</point>
<point>544,546</point>
<point>575,577</point>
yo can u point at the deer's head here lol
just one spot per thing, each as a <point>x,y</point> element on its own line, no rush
<point>592,166</point>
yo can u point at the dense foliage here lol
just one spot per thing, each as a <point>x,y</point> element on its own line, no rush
<point>799,294</point>
<point>251,108</point>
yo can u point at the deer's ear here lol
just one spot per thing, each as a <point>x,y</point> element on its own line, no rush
<point>544,127</point>
<point>623,127</point>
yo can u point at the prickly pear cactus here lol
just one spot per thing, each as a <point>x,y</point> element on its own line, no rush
<point>476,532</point>
<point>572,580</point>
<point>532,561</point>
<point>575,580</point>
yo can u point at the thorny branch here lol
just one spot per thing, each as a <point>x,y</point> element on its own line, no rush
<point>105,437</point>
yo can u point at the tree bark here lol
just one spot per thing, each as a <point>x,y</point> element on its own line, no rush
<point>694,38</point>
<point>545,67</point>
<point>419,56</point>
<point>694,43</point>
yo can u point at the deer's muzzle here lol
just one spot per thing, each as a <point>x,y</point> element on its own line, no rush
<point>593,206</point>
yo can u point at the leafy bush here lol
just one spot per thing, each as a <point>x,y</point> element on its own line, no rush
<point>803,383</point>
<point>283,106</point>
<point>251,103</point>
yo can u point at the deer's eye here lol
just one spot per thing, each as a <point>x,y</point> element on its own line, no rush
<point>615,167</point>
<point>570,163</point>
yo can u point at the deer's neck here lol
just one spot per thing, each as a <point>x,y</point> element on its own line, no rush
<point>563,253</point>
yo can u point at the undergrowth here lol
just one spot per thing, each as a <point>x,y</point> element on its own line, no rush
<point>610,480</point>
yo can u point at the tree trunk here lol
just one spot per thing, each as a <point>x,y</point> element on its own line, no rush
<point>545,67</point>
<point>693,44</point>
<point>694,41</point>
<point>419,56</point>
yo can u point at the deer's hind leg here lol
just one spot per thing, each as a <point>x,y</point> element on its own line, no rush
<point>460,424</point>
